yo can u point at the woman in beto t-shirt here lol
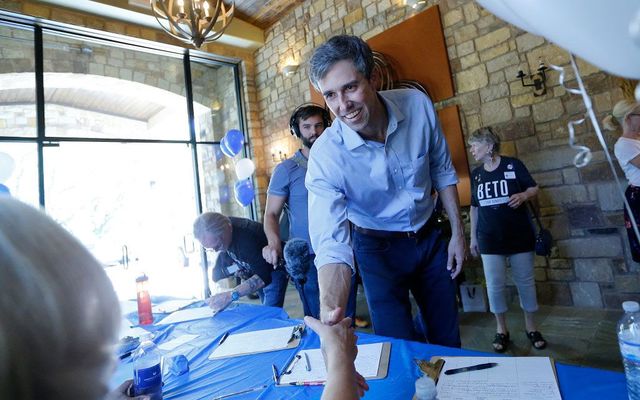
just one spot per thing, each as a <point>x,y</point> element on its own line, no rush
<point>627,151</point>
<point>501,230</point>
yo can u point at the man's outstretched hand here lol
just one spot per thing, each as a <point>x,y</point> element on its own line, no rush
<point>338,344</point>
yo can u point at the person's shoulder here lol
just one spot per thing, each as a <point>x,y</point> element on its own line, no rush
<point>623,141</point>
<point>238,222</point>
<point>285,166</point>
<point>513,161</point>
<point>405,96</point>
<point>330,139</point>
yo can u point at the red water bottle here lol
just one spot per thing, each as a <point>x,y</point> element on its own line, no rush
<point>145,317</point>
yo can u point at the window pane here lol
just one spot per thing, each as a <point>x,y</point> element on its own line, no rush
<point>19,170</point>
<point>217,180</point>
<point>17,83</point>
<point>215,101</point>
<point>133,206</point>
<point>94,90</point>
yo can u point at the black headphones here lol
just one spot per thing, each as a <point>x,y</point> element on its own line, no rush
<point>305,108</point>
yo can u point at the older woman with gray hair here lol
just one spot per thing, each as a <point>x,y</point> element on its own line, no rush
<point>59,314</point>
<point>501,231</point>
<point>626,115</point>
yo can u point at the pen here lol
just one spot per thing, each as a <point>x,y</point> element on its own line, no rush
<point>470,368</point>
<point>255,389</point>
<point>306,359</point>
<point>275,373</point>
<point>223,338</point>
<point>310,383</point>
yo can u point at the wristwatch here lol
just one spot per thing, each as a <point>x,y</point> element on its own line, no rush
<point>235,296</point>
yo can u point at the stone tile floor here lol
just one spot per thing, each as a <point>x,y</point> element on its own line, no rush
<point>577,336</point>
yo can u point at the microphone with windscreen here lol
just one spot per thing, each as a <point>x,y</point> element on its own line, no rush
<point>296,257</point>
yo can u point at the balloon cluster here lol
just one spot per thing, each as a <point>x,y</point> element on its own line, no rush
<point>231,145</point>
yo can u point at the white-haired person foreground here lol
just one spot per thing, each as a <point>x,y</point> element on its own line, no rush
<point>59,314</point>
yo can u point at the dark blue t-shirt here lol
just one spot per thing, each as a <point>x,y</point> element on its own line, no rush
<point>502,229</point>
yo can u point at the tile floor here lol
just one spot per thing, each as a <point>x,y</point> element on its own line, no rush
<point>577,336</point>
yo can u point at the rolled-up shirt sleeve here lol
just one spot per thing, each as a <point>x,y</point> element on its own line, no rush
<point>443,173</point>
<point>328,223</point>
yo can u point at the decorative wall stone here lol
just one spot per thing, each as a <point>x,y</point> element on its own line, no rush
<point>586,294</point>
<point>594,270</point>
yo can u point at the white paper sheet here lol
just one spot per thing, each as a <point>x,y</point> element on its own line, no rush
<point>170,306</point>
<point>367,364</point>
<point>189,314</point>
<point>177,342</point>
<point>253,342</point>
<point>515,378</point>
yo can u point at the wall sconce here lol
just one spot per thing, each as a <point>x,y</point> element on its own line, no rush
<point>415,4</point>
<point>537,80</point>
<point>278,158</point>
<point>289,70</point>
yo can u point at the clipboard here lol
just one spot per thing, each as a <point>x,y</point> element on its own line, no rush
<point>372,363</point>
<point>255,342</point>
<point>438,365</point>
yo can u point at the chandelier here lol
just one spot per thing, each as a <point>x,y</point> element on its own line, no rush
<point>193,21</point>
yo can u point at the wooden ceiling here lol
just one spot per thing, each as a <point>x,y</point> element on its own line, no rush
<point>264,13</point>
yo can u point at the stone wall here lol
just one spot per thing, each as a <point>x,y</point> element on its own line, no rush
<point>590,265</point>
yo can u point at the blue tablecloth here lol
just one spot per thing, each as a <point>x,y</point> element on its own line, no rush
<point>207,379</point>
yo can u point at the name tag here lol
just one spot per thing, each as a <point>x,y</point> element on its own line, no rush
<point>509,175</point>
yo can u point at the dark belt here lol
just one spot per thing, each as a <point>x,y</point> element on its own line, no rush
<point>422,232</point>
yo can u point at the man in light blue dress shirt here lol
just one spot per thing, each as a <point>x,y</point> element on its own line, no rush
<point>370,179</point>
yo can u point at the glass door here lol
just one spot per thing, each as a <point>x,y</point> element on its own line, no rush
<point>133,206</point>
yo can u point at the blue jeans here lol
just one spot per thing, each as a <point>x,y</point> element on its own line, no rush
<point>310,293</point>
<point>273,294</point>
<point>393,267</point>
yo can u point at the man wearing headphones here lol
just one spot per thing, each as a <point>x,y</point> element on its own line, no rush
<point>287,190</point>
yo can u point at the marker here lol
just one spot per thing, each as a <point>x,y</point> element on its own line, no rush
<point>307,364</point>
<point>223,338</point>
<point>477,367</point>
<point>275,373</point>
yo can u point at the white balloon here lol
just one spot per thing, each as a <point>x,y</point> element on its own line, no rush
<point>599,32</point>
<point>244,168</point>
<point>7,166</point>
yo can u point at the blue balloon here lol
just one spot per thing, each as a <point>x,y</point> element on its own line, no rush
<point>244,192</point>
<point>235,141</point>
<point>225,149</point>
